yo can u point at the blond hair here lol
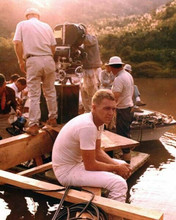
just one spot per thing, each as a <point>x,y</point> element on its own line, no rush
<point>102,94</point>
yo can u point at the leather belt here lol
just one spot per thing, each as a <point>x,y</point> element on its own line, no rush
<point>30,55</point>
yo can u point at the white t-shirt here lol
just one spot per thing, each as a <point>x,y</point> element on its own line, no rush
<point>124,84</point>
<point>78,133</point>
<point>14,87</point>
<point>37,37</point>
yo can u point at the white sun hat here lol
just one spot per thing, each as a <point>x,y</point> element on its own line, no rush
<point>32,11</point>
<point>115,60</point>
<point>128,67</point>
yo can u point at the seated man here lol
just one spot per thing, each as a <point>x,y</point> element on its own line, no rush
<point>7,101</point>
<point>18,87</point>
<point>7,97</point>
<point>77,157</point>
<point>13,78</point>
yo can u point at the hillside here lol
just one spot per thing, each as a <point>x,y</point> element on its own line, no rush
<point>147,42</point>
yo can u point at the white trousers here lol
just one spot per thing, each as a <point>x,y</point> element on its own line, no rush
<point>41,69</point>
<point>78,176</point>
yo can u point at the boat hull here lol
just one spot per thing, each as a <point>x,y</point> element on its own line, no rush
<point>150,125</point>
<point>150,134</point>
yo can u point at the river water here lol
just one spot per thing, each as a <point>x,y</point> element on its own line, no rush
<point>152,186</point>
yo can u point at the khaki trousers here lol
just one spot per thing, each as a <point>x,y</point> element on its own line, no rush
<point>88,87</point>
<point>41,69</point>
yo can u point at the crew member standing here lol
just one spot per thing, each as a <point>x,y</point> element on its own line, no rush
<point>34,44</point>
<point>91,70</point>
<point>123,89</point>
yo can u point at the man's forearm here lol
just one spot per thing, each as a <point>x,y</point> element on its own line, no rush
<point>101,155</point>
<point>18,47</point>
<point>104,157</point>
<point>53,49</point>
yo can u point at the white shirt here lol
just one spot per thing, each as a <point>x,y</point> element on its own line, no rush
<point>124,84</point>
<point>106,79</point>
<point>80,133</point>
<point>37,37</point>
<point>14,87</point>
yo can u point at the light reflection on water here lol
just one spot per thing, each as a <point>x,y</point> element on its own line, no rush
<point>17,204</point>
<point>4,209</point>
<point>155,188</point>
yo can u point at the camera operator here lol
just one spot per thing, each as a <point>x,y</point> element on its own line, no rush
<point>91,69</point>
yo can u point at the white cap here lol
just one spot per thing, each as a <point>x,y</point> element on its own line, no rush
<point>32,11</point>
<point>128,67</point>
<point>115,60</point>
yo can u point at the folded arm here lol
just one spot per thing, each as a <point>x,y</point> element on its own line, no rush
<point>98,160</point>
<point>117,95</point>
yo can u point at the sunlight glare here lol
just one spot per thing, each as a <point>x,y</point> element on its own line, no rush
<point>5,211</point>
<point>32,205</point>
<point>41,3</point>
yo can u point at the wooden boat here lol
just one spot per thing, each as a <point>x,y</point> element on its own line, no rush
<point>150,125</point>
<point>17,149</point>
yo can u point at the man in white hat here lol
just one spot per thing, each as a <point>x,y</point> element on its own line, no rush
<point>123,89</point>
<point>34,44</point>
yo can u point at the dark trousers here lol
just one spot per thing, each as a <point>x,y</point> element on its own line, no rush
<point>124,119</point>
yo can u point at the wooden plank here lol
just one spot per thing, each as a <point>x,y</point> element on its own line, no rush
<point>20,148</point>
<point>35,170</point>
<point>111,141</point>
<point>74,196</point>
<point>95,190</point>
<point>57,128</point>
<point>86,216</point>
<point>138,159</point>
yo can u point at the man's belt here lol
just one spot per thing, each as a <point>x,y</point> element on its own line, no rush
<point>30,55</point>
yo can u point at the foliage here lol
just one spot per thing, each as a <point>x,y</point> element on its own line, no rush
<point>147,42</point>
<point>147,69</point>
<point>8,58</point>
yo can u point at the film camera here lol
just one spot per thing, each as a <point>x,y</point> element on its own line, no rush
<point>68,52</point>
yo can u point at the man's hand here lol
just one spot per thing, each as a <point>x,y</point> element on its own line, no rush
<point>18,112</point>
<point>123,170</point>
<point>22,66</point>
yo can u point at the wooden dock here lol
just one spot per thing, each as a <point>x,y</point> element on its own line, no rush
<point>18,149</point>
